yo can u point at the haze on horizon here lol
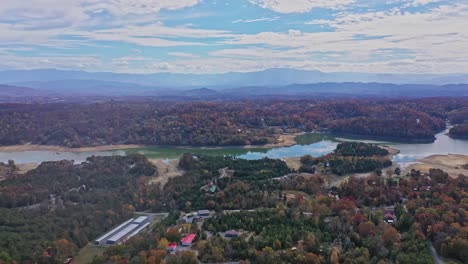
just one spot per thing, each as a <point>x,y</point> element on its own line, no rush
<point>203,36</point>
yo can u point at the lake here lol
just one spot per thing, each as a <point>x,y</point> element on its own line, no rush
<point>312,144</point>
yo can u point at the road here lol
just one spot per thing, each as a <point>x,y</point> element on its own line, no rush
<point>435,256</point>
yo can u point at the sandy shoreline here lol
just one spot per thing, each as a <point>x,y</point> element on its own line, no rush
<point>18,148</point>
<point>284,140</point>
<point>451,163</point>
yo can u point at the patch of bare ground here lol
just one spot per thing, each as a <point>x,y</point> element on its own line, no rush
<point>453,164</point>
<point>391,151</point>
<point>25,167</point>
<point>283,140</point>
<point>166,169</point>
<point>293,163</point>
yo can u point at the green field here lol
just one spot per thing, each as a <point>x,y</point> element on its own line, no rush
<point>86,254</point>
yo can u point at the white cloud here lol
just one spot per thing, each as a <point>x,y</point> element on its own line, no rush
<point>183,55</point>
<point>154,35</point>
<point>261,19</point>
<point>299,6</point>
<point>66,13</point>
<point>434,41</point>
<point>125,7</point>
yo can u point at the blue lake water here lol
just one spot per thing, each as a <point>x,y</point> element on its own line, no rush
<point>312,144</point>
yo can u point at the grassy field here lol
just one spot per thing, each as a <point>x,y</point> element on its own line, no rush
<point>87,254</point>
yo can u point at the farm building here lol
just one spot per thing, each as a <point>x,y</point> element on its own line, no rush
<point>140,220</point>
<point>121,234</point>
<point>110,233</point>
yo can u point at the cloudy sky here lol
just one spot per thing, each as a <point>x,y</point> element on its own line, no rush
<point>214,36</point>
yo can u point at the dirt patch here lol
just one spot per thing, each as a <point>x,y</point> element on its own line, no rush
<point>453,164</point>
<point>25,167</point>
<point>293,163</point>
<point>391,151</point>
<point>283,140</point>
<point>166,169</point>
<point>28,147</point>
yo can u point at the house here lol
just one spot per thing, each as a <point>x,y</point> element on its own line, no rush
<point>232,233</point>
<point>203,213</point>
<point>187,240</point>
<point>390,218</point>
<point>213,189</point>
<point>172,247</point>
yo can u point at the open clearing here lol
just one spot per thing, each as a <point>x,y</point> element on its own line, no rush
<point>166,169</point>
<point>86,254</point>
<point>452,164</point>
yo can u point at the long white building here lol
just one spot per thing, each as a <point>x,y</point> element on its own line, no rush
<point>122,233</point>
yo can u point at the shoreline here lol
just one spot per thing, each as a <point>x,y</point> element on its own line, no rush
<point>450,163</point>
<point>284,140</point>
<point>28,147</point>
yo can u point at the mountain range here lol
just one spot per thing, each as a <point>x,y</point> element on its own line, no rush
<point>272,77</point>
<point>273,82</point>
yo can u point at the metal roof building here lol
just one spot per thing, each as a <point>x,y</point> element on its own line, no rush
<point>121,234</point>
<point>138,230</point>
<point>103,237</point>
<point>203,212</point>
<point>140,219</point>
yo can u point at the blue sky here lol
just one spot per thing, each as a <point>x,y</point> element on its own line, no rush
<point>203,36</point>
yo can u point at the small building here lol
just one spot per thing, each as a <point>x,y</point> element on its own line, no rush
<point>203,213</point>
<point>172,247</point>
<point>390,218</point>
<point>213,189</point>
<point>187,240</point>
<point>232,233</point>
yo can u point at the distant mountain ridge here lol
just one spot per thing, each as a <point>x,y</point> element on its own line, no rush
<point>271,77</point>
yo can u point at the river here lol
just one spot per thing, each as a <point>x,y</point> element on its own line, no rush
<point>312,144</point>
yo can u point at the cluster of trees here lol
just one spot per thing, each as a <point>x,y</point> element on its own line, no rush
<point>345,165</point>
<point>459,131</point>
<point>339,235</point>
<point>50,212</point>
<point>7,170</point>
<point>349,157</point>
<point>249,187</point>
<point>359,149</point>
<point>220,123</point>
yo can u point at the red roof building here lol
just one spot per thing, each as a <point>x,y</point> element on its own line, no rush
<point>172,247</point>
<point>187,241</point>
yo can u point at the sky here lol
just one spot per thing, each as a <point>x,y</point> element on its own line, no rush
<point>214,36</point>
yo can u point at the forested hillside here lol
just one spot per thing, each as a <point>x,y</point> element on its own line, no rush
<point>220,123</point>
<point>50,212</point>
<point>459,131</point>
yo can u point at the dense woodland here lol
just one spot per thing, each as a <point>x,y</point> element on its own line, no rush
<point>52,211</point>
<point>298,219</point>
<point>222,123</point>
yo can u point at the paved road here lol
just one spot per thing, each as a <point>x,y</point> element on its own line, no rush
<point>437,259</point>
